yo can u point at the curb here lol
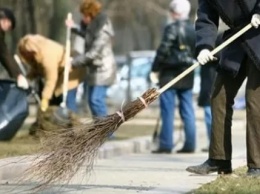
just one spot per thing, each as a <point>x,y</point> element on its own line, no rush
<point>13,168</point>
<point>119,148</point>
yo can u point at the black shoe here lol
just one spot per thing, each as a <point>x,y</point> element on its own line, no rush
<point>185,151</point>
<point>211,166</point>
<point>253,172</point>
<point>206,149</point>
<point>162,151</point>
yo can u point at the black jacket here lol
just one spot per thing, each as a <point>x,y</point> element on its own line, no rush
<point>236,14</point>
<point>169,40</point>
<point>6,58</point>
<point>207,77</point>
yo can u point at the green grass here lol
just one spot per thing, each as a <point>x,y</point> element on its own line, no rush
<point>237,183</point>
<point>131,131</point>
<point>22,144</point>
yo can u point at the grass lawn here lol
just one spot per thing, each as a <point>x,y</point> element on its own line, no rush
<point>237,183</point>
<point>129,131</point>
<point>24,144</point>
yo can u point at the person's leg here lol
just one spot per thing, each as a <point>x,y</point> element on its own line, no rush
<point>188,118</point>
<point>253,116</point>
<point>85,95</point>
<point>167,104</point>
<point>85,91</point>
<point>55,101</point>
<point>208,119</point>
<point>222,101</point>
<point>71,100</point>
<point>208,123</point>
<point>97,100</point>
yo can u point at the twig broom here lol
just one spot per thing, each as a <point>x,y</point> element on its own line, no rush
<point>70,149</point>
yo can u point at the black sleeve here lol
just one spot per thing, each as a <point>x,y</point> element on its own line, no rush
<point>169,36</point>
<point>78,31</point>
<point>206,26</point>
<point>7,60</point>
<point>257,7</point>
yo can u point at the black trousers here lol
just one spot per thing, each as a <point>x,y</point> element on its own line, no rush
<point>55,101</point>
<point>222,100</point>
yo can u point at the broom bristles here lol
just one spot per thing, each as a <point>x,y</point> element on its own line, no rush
<point>69,149</point>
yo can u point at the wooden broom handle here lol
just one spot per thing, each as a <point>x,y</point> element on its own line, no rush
<point>195,65</point>
<point>67,64</point>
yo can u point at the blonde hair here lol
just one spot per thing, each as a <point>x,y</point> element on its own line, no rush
<point>29,43</point>
<point>90,8</point>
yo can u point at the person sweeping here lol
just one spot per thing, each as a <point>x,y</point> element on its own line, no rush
<point>69,150</point>
<point>178,42</point>
<point>238,61</point>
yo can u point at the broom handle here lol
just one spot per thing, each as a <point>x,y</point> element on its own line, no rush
<point>195,65</point>
<point>67,64</point>
<point>23,70</point>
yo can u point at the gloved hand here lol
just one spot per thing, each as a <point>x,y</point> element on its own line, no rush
<point>255,21</point>
<point>80,60</point>
<point>44,104</point>
<point>154,77</point>
<point>22,82</point>
<point>69,23</point>
<point>205,56</point>
<point>71,59</point>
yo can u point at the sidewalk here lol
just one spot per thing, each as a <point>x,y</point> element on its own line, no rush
<point>139,172</point>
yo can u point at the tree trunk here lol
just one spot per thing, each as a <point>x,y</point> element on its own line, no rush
<point>31,13</point>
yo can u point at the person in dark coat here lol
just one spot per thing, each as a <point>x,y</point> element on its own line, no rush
<point>207,77</point>
<point>239,60</point>
<point>7,23</point>
<point>163,72</point>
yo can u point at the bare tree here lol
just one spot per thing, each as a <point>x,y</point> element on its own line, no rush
<point>138,24</point>
<point>31,14</point>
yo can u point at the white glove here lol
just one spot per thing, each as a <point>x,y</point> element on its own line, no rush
<point>22,82</point>
<point>154,77</point>
<point>205,56</point>
<point>255,21</point>
<point>69,23</point>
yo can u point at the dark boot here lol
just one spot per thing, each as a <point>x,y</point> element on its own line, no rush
<point>255,172</point>
<point>206,149</point>
<point>162,151</point>
<point>185,151</point>
<point>211,166</point>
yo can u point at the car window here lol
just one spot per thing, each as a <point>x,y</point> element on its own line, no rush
<point>141,67</point>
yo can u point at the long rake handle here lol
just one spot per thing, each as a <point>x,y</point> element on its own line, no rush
<point>195,65</point>
<point>67,65</point>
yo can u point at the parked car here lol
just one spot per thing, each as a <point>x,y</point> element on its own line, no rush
<point>132,77</point>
